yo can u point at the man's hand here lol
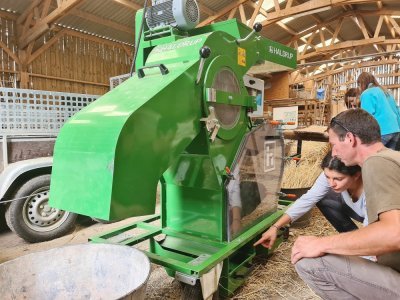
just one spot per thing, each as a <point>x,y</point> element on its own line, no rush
<point>306,246</point>
<point>268,238</point>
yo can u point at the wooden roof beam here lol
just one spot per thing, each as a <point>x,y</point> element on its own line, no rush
<point>351,44</point>
<point>319,26</point>
<point>43,25</point>
<point>46,46</point>
<point>390,27</point>
<point>308,7</point>
<point>96,19</point>
<point>242,14</point>
<point>332,49</point>
<point>129,4</point>
<point>257,9</point>
<point>361,25</point>
<point>222,12</point>
<point>378,26</point>
<point>394,24</point>
<point>205,9</point>
<point>367,31</point>
<point>286,28</point>
<point>9,52</point>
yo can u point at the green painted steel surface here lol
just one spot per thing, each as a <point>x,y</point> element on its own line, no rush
<point>110,156</point>
<point>183,248</point>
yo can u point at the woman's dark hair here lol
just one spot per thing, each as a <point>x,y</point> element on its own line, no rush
<point>335,164</point>
<point>352,92</point>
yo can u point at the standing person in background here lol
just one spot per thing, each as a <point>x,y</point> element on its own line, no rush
<point>352,98</point>
<point>380,103</point>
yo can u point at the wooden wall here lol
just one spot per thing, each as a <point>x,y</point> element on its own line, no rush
<point>64,61</point>
<point>279,86</point>
<point>8,53</point>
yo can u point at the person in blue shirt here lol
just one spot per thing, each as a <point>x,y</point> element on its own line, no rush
<point>381,104</point>
<point>338,193</point>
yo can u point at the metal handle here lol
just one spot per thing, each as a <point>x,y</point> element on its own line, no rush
<point>256,28</point>
<point>162,67</point>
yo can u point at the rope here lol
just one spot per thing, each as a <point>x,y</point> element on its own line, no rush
<point>16,199</point>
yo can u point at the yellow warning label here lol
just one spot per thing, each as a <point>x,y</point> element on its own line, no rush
<point>241,57</point>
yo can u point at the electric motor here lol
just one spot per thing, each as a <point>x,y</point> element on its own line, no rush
<point>183,14</point>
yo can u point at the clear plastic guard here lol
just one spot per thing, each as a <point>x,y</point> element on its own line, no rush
<point>255,179</point>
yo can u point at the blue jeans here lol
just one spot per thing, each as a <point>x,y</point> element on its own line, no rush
<point>391,140</point>
<point>338,213</point>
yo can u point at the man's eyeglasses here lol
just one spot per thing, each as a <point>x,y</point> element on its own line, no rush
<point>335,121</point>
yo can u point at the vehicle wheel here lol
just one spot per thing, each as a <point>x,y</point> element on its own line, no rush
<point>32,218</point>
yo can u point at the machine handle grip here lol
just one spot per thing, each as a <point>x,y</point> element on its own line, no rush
<point>289,196</point>
<point>162,67</point>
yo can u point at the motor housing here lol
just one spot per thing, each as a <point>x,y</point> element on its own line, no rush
<point>183,14</point>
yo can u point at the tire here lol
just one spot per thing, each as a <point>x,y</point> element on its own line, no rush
<point>32,219</point>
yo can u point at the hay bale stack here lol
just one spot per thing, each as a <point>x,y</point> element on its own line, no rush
<point>302,174</point>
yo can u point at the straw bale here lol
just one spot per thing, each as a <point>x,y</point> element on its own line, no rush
<point>302,174</point>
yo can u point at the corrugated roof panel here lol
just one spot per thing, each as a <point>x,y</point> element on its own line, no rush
<point>17,6</point>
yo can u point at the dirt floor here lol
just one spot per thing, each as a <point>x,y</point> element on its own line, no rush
<point>274,278</point>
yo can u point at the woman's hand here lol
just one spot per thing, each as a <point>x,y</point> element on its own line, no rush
<point>268,238</point>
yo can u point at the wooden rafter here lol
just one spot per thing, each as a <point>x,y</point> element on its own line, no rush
<point>205,9</point>
<point>96,19</point>
<point>46,46</point>
<point>7,15</point>
<point>256,11</point>
<point>378,26</point>
<point>360,23</point>
<point>70,32</point>
<point>394,24</point>
<point>341,46</point>
<point>308,7</point>
<point>222,12</point>
<point>242,14</point>
<point>287,28</point>
<point>42,26</point>
<point>129,4</point>
<point>9,52</point>
<point>391,28</point>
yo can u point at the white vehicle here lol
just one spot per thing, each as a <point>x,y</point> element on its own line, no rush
<point>29,123</point>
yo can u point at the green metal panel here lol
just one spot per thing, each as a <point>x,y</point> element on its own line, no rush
<point>104,162</point>
<point>179,260</point>
<point>110,156</point>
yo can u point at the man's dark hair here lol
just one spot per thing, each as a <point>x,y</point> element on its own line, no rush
<point>335,164</point>
<point>359,122</point>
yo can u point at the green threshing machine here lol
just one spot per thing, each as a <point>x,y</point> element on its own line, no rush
<point>182,120</point>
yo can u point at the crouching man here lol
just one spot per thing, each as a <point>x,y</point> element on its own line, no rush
<point>332,265</point>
